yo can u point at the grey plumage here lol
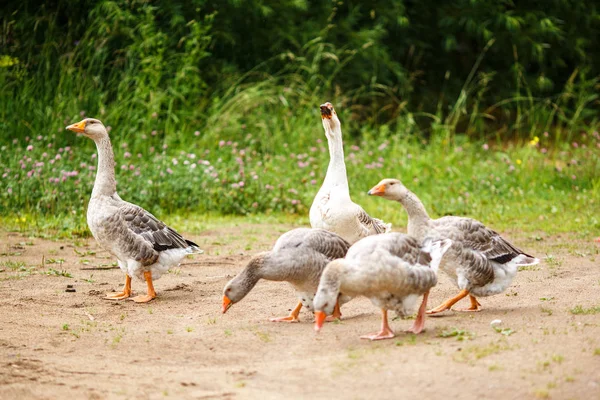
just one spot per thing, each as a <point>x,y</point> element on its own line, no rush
<point>298,257</point>
<point>480,261</point>
<point>392,270</point>
<point>144,246</point>
<point>385,268</point>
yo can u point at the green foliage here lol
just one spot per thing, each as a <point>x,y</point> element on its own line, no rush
<point>483,108</point>
<point>579,310</point>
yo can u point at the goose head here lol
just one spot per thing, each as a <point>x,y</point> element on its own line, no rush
<point>331,122</point>
<point>391,189</point>
<point>237,288</point>
<point>90,127</point>
<point>328,292</point>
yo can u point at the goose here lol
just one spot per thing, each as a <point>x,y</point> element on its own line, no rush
<point>144,246</point>
<point>392,270</point>
<point>480,262</point>
<point>298,257</point>
<point>332,209</point>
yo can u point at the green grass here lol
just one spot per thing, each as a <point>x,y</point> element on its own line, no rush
<point>579,310</point>
<point>459,334</point>
<point>508,187</point>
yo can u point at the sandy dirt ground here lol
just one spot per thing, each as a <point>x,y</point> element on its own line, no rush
<point>59,344</point>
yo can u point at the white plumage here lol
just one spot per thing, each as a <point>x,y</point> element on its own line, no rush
<point>333,209</point>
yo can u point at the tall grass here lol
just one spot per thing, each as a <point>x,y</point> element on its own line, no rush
<point>251,142</point>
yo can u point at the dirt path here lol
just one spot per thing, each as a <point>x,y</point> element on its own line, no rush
<point>58,344</point>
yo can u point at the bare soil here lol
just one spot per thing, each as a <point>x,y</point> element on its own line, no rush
<point>59,344</point>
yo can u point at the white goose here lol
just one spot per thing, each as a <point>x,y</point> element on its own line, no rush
<point>298,257</point>
<point>392,270</point>
<point>144,246</point>
<point>480,261</point>
<point>332,209</point>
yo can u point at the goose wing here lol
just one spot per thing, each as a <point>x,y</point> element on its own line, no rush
<point>476,236</point>
<point>141,235</point>
<point>322,241</point>
<point>371,224</point>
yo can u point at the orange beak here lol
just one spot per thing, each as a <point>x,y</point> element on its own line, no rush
<point>226,304</point>
<point>78,127</point>
<point>326,110</point>
<point>378,190</point>
<point>319,319</point>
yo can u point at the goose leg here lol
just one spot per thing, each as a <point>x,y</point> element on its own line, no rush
<point>337,313</point>
<point>475,305</point>
<point>419,324</point>
<point>293,317</point>
<point>449,303</point>
<point>386,332</point>
<point>121,295</point>
<point>151,293</point>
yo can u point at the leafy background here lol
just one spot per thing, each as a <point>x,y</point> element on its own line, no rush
<point>484,108</point>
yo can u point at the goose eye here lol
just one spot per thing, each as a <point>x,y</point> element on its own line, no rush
<point>325,305</point>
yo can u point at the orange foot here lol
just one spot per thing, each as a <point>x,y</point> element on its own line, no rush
<point>117,295</point>
<point>419,324</point>
<point>293,317</point>
<point>385,333</point>
<point>121,295</point>
<point>336,315</point>
<point>151,293</point>
<point>379,336</point>
<point>475,305</point>
<point>144,298</point>
<point>289,318</point>
<point>447,305</point>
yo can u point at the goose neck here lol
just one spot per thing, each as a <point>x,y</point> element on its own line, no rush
<point>418,219</point>
<point>105,183</point>
<point>336,171</point>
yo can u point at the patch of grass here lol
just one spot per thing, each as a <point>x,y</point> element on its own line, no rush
<point>504,331</point>
<point>58,261</point>
<point>459,334</point>
<point>227,332</point>
<point>409,340</point>
<point>597,351</point>
<point>263,336</point>
<point>542,393</point>
<point>54,272</point>
<point>553,261</point>
<point>579,310</point>
<point>189,329</point>
<point>547,311</point>
<point>65,327</point>
<point>13,265</point>
<point>557,358</point>
<point>473,353</point>
<point>529,268</point>
<point>546,298</point>
<point>84,253</point>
